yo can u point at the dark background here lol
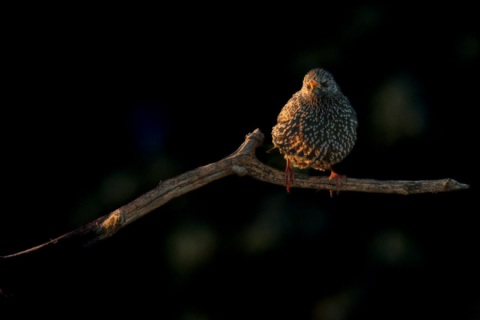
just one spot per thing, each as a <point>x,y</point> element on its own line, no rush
<point>100,107</point>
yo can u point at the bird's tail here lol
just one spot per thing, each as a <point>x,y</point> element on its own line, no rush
<point>272,150</point>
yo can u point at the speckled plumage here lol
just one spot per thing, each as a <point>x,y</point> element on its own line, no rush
<point>317,127</point>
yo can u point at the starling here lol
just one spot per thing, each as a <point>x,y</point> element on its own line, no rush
<point>317,127</point>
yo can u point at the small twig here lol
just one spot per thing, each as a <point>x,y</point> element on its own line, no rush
<point>242,162</point>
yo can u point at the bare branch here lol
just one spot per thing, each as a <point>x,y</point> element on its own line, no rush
<point>242,162</point>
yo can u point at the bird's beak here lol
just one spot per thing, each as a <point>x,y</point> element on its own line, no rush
<point>315,84</point>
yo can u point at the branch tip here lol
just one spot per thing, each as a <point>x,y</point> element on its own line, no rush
<point>257,135</point>
<point>451,184</point>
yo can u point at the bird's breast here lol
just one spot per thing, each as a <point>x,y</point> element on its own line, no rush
<point>316,136</point>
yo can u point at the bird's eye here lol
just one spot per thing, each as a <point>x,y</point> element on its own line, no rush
<point>324,84</point>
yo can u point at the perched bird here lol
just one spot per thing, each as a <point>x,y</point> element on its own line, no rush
<point>317,127</point>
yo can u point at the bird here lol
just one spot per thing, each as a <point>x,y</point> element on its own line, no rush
<point>316,128</point>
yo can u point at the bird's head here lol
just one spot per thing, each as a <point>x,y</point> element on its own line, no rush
<point>319,82</point>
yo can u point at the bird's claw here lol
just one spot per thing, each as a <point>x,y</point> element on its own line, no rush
<point>337,176</point>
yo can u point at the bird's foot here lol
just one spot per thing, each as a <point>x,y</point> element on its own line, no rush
<point>289,178</point>
<point>338,176</point>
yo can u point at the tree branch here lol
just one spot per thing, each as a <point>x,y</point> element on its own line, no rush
<point>242,162</point>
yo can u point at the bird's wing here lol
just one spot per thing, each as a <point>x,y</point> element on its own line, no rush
<point>295,135</point>
<point>289,109</point>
